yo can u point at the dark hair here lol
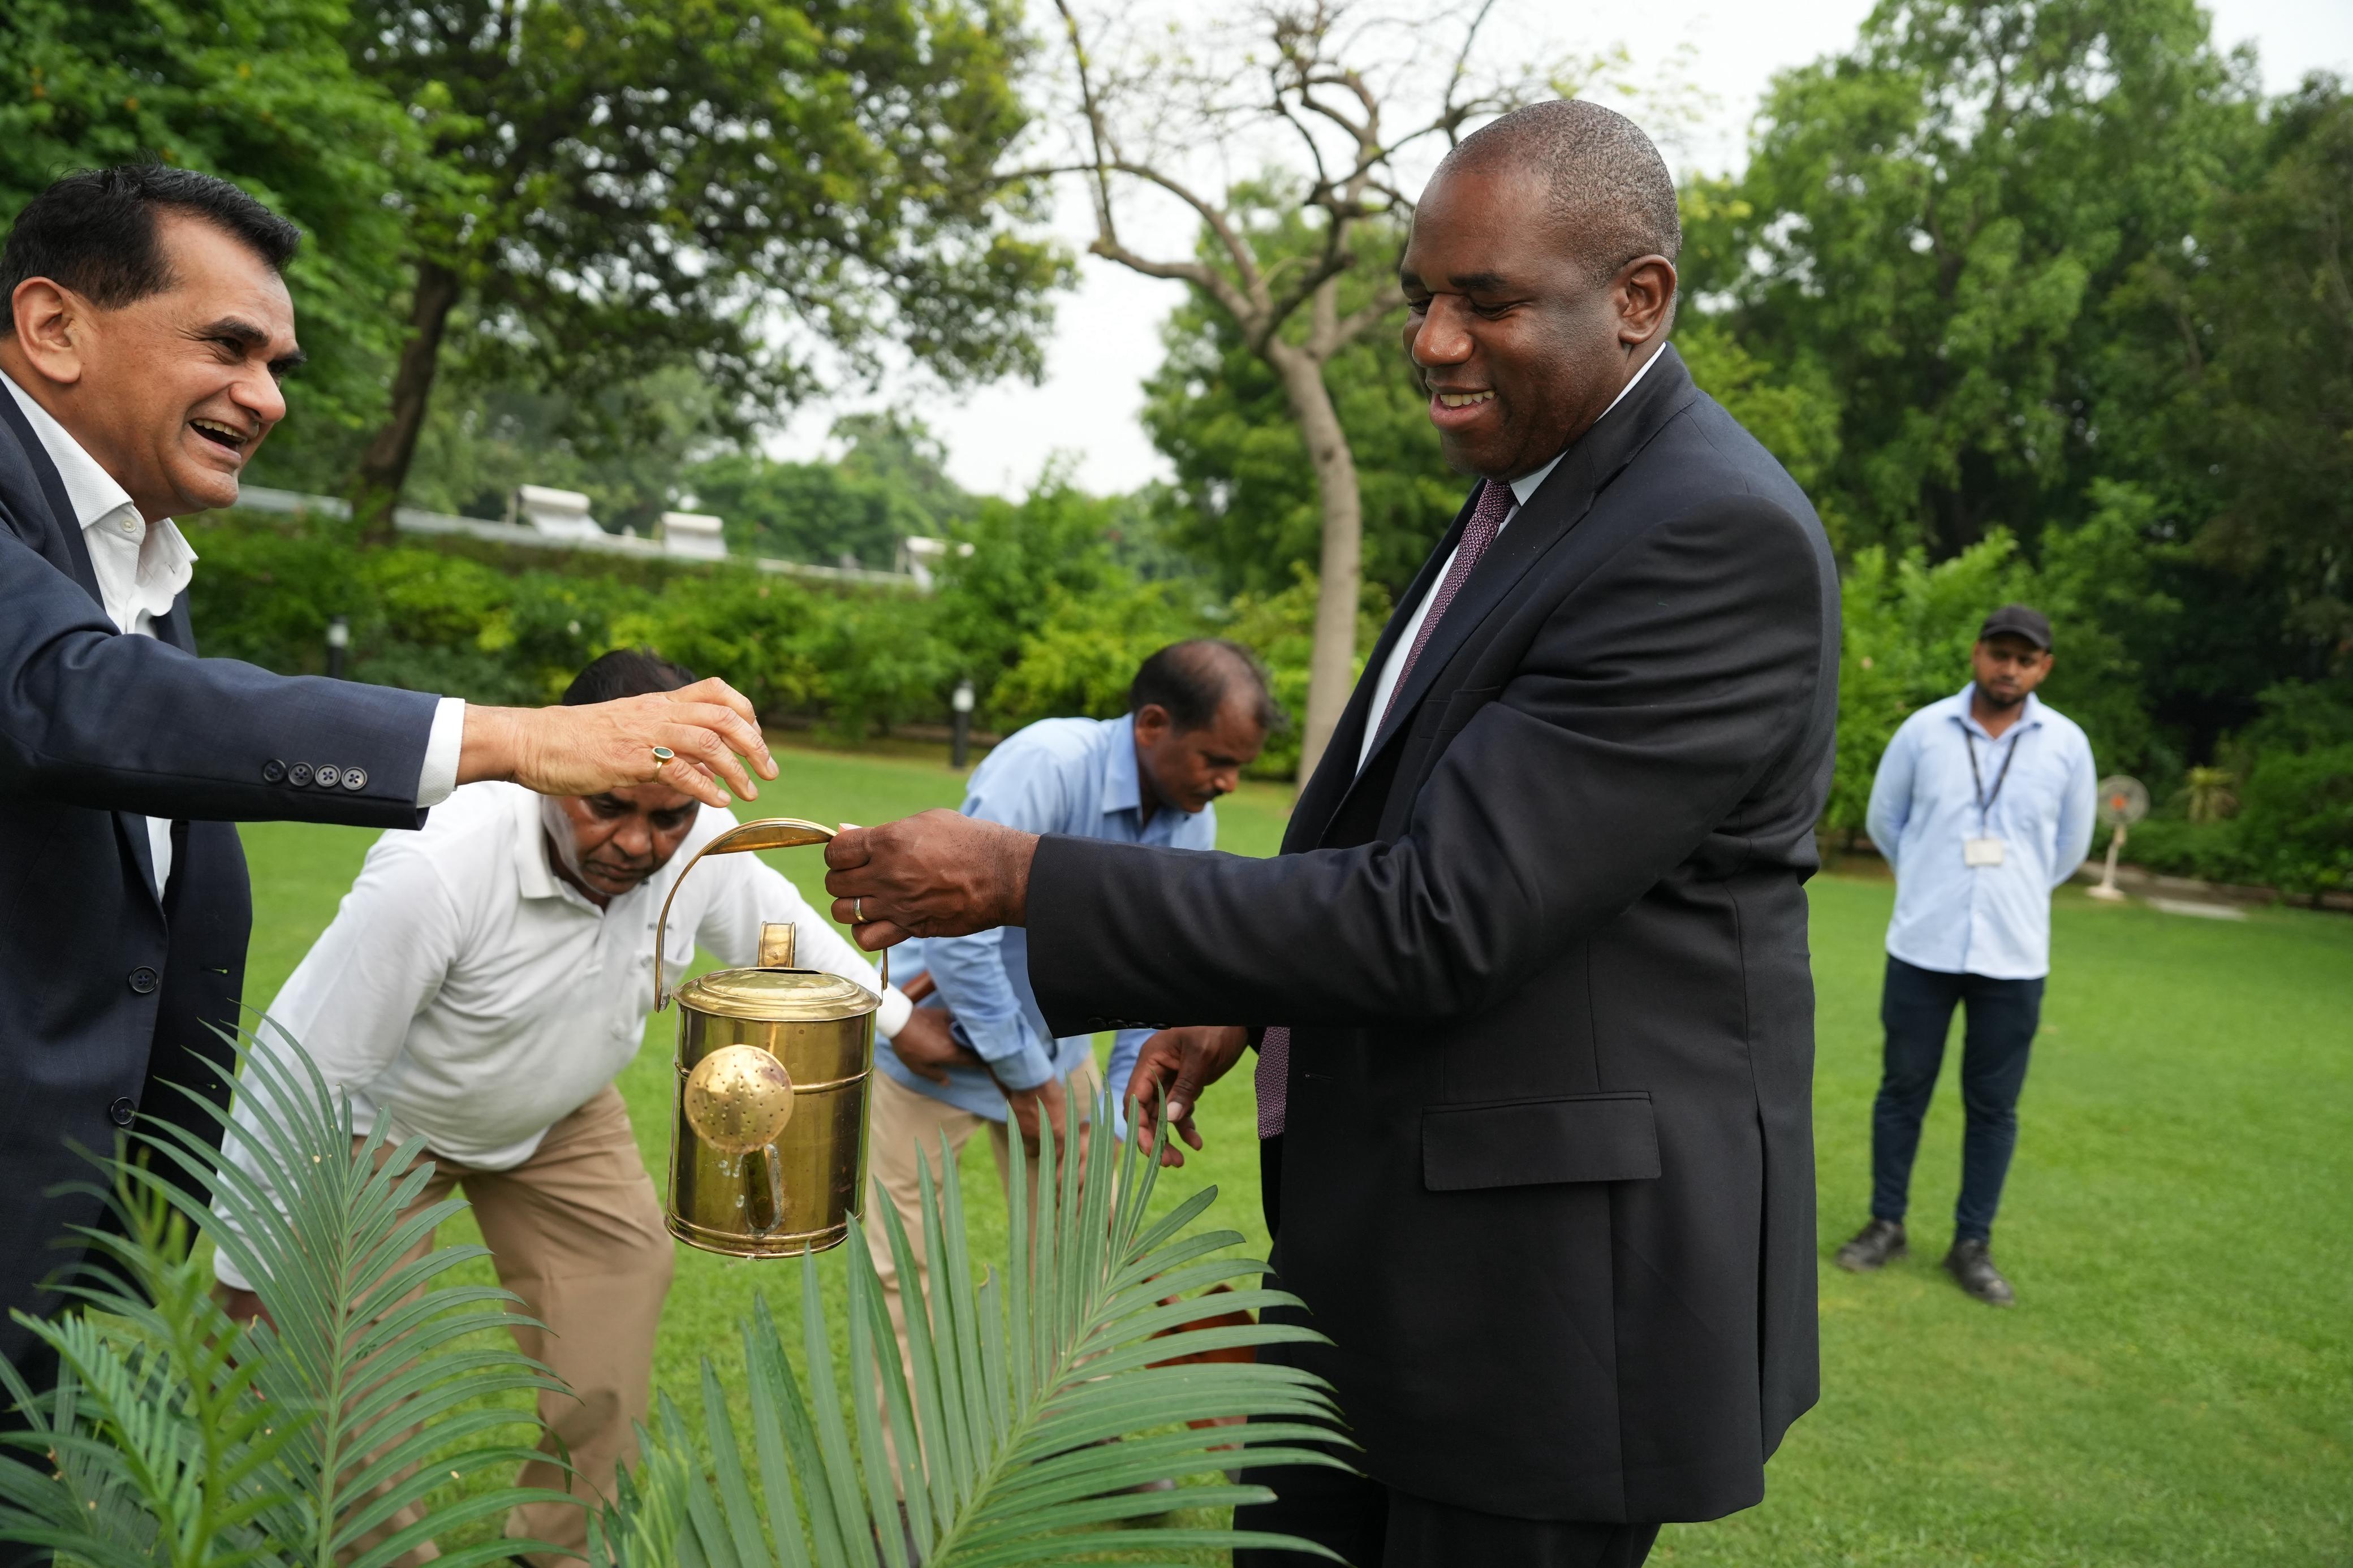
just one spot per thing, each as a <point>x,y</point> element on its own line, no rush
<point>94,231</point>
<point>1191,680</point>
<point>1610,190</point>
<point>626,672</point>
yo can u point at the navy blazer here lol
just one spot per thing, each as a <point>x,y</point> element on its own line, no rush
<point>109,996</point>
<point>1546,1179</point>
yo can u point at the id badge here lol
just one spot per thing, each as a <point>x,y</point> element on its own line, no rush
<point>1980,852</point>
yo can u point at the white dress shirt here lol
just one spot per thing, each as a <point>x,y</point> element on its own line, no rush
<point>475,997</point>
<point>1523,487</point>
<point>143,567</point>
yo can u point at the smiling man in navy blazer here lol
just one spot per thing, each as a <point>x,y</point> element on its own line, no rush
<point>148,328</point>
<point>1531,971</point>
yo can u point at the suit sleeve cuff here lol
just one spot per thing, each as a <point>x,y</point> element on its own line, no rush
<point>439,774</point>
<point>891,1017</point>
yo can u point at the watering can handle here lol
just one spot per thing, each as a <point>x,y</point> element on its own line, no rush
<point>769,833</point>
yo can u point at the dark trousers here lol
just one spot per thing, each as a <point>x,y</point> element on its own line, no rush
<point>1916,1009</point>
<point>1374,1526</point>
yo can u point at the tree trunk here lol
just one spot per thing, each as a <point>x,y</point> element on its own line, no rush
<point>1330,669</point>
<point>383,466</point>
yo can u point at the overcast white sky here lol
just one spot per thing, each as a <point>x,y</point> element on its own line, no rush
<point>1106,338</point>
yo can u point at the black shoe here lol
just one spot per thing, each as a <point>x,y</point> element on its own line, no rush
<point>1875,1244</point>
<point>1971,1264</point>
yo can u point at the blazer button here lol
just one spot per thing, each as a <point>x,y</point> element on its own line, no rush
<point>123,1113</point>
<point>273,772</point>
<point>328,775</point>
<point>143,980</point>
<point>298,775</point>
<point>1096,1022</point>
<point>356,778</point>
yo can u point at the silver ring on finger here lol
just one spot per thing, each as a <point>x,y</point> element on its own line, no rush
<point>858,910</point>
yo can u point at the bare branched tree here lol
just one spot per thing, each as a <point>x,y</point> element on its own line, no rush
<point>1345,101</point>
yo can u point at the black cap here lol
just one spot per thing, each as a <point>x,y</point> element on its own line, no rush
<point>2018,620</point>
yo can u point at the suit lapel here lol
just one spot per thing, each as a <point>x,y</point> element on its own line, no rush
<point>1558,507</point>
<point>63,546</point>
<point>1328,785</point>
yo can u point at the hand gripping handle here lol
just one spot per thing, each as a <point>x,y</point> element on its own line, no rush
<point>769,833</point>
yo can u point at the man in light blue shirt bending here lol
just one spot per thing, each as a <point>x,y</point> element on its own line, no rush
<point>1197,714</point>
<point>1983,805</point>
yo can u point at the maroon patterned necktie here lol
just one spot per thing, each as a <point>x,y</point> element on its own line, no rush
<point>1496,503</point>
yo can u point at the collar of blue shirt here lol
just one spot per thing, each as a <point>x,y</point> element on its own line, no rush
<point>1120,790</point>
<point>2030,715</point>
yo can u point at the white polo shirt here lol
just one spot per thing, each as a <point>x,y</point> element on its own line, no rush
<point>477,998</point>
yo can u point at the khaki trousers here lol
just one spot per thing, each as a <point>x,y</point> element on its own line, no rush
<point>903,1124</point>
<point>577,1232</point>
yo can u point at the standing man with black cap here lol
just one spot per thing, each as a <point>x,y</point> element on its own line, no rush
<point>1983,805</point>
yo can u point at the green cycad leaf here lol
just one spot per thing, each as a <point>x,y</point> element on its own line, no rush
<point>1032,1403</point>
<point>177,1437</point>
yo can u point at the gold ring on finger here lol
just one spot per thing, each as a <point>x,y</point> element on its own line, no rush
<point>663,757</point>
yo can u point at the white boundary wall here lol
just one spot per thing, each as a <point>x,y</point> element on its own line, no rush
<point>408,520</point>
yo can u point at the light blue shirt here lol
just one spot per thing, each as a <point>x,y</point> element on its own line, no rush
<point>1059,776</point>
<point>1993,920</point>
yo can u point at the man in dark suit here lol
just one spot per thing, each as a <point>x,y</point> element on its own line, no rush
<point>1531,975</point>
<point>148,329</point>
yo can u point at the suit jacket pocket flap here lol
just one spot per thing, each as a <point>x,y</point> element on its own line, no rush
<point>1527,1143</point>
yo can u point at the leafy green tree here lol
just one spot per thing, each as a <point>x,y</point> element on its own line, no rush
<point>1248,501</point>
<point>2246,348</point>
<point>1292,288</point>
<point>1795,416</point>
<point>902,452</point>
<point>804,512</point>
<point>892,483</point>
<point>257,91</point>
<point>1029,560</point>
<point>724,186</point>
<point>1939,222</point>
<point>627,450</point>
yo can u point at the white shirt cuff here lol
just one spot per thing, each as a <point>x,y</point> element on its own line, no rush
<point>439,774</point>
<point>893,1015</point>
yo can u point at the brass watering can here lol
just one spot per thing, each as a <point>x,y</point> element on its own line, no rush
<point>775,1064</point>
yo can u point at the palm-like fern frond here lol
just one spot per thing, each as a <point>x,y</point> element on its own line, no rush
<point>1026,1397</point>
<point>178,1437</point>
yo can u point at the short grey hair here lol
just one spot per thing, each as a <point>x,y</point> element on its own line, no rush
<point>1612,193</point>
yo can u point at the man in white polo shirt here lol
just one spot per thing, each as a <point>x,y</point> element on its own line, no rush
<point>481,985</point>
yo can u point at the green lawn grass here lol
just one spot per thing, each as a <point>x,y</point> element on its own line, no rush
<point>2176,1385</point>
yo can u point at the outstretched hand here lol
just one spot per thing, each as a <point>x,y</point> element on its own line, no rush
<point>597,746</point>
<point>934,874</point>
<point>1177,1065</point>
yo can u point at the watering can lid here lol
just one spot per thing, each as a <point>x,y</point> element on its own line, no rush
<point>778,995</point>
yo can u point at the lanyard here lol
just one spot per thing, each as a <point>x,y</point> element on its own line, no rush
<point>1985,801</point>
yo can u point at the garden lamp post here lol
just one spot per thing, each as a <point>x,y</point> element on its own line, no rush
<point>339,637</point>
<point>961,725</point>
